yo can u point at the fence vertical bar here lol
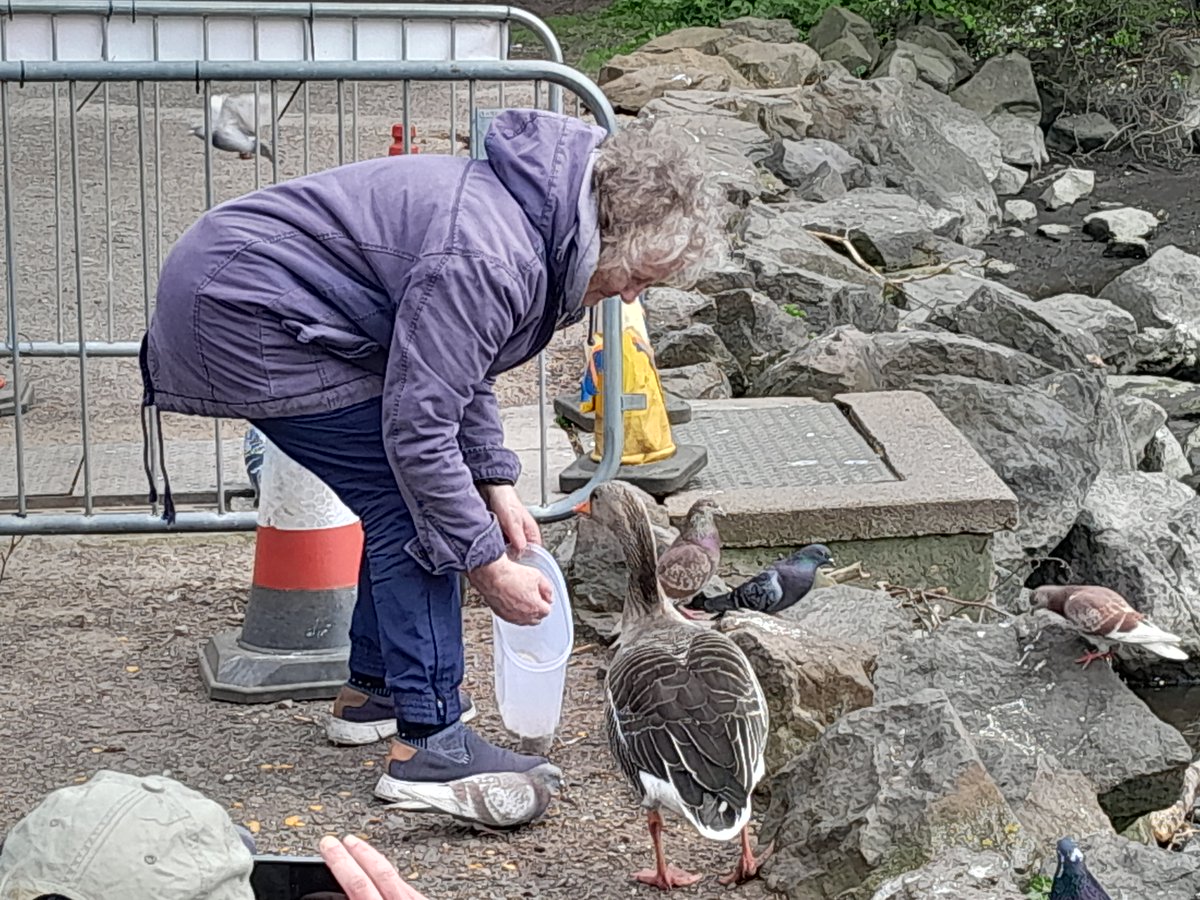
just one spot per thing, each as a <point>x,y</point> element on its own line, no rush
<point>58,291</point>
<point>108,236</point>
<point>77,195</point>
<point>10,278</point>
<point>140,90</point>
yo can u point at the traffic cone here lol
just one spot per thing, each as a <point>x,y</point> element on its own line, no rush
<point>294,640</point>
<point>397,148</point>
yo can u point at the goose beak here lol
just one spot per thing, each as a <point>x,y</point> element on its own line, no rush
<point>584,508</point>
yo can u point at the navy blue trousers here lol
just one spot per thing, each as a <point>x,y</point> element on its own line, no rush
<point>407,624</point>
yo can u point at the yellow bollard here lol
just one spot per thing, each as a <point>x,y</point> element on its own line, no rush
<point>647,431</point>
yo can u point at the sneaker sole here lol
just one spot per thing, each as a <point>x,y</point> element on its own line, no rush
<point>358,734</point>
<point>406,795</point>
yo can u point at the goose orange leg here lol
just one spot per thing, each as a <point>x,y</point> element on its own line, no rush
<point>747,865</point>
<point>663,876</point>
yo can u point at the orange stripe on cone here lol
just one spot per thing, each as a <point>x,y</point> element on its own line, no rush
<point>319,559</point>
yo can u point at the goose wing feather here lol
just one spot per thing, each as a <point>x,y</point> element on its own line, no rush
<point>690,713</point>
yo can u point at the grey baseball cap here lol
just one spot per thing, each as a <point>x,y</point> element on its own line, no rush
<point>126,837</point>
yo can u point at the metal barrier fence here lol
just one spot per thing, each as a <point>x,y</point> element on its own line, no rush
<point>107,91</point>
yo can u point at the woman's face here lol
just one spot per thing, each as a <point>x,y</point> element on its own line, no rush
<point>599,289</point>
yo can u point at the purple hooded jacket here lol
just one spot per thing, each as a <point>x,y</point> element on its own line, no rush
<point>420,278</point>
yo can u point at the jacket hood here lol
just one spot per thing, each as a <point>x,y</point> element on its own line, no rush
<point>545,161</point>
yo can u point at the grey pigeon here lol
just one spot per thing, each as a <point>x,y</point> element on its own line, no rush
<point>492,801</point>
<point>775,588</point>
<point>691,561</point>
<point>231,118</point>
<point>1105,617</point>
<point>1072,880</point>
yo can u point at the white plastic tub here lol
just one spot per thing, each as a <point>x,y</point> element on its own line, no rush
<point>531,661</point>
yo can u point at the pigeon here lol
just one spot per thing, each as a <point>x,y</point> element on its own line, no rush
<point>1105,616</point>
<point>691,561</point>
<point>491,801</point>
<point>1072,880</point>
<point>232,122</point>
<point>775,588</point>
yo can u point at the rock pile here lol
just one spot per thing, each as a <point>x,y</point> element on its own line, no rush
<point>860,179</point>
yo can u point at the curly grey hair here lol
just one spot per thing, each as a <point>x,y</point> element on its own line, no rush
<point>661,220</point>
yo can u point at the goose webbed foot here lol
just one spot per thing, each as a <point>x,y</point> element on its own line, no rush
<point>663,876</point>
<point>747,865</point>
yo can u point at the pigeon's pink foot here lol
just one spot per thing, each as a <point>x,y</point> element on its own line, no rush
<point>245,156</point>
<point>1093,655</point>
<point>747,864</point>
<point>663,876</point>
<point>693,615</point>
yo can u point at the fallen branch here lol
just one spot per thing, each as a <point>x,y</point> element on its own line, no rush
<point>844,241</point>
<point>919,599</point>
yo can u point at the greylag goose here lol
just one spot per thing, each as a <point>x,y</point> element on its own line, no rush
<point>691,561</point>
<point>686,717</point>
<point>1105,617</point>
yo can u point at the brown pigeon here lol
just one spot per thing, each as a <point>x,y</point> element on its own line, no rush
<point>1105,616</point>
<point>691,561</point>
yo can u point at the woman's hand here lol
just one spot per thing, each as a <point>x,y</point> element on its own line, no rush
<point>516,593</point>
<point>363,872</point>
<point>517,525</point>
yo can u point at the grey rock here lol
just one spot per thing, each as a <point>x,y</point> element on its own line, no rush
<point>1139,534</point>
<point>1019,211</point>
<point>1160,293</point>
<point>1143,420</point>
<point>1068,188</point>
<point>779,230</point>
<point>894,128</point>
<point>962,873</point>
<point>754,329</point>
<point>1021,141</point>
<point>702,38</point>
<point>695,344</point>
<point>1000,318</point>
<point>801,160</point>
<point>1012,231</point>
<point>1180,399</point>
<point>697,381</point>
<point>1009,180</point>
<point>849,52</point>
<point>962,127</point>
<point>922,297</point>
<point>769,65</point>
<point>670,309</point>
<point>998,267</point>
<point>924,36</point>
<point>884,789</point>
<point>846,360</point>
<point>850,615</point>
<point>633,80</point>
<point>1056,800</point>
<point>1128,869</point>
<point>1113,328</point>
<point>1002,84</point>
<point>780,31</point>
<point>1049,462</point>
<point>889,229</point>
<point>914,62</point>
<point>1054,230</point>
<point>1125,229</point>
<point>810,681</point>
<point>1080,132</point>
<point>822,186</point>
<point>837,23</point>
<point>1019,691</point>
<point>778,114</point>
<point>1165,454</point>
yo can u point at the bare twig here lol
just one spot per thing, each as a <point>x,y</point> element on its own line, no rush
<point>844,241</point>
<point>920,600</point>
<point>13,543</point>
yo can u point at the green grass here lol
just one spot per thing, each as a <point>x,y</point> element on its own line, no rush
<point>590,39</point>
<point>1039,887</point>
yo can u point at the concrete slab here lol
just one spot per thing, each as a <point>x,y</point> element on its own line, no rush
<point>49,472</point>
<point>8,398</point>
<point>908,473</point>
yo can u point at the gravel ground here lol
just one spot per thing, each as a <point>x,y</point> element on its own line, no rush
<point>98,662</point>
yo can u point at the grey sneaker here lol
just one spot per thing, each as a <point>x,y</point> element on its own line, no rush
<point>421,774</point>
<point>360,718</point>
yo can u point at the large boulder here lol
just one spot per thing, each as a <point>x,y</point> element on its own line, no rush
<point>889,229</point>
<point>1127,868</point>
<point>809,681</point>
<point>1019,694</point>
<point>850,615</point>
<point>890,125</point>
<point>633,80</point>
<point>962,127</point>
<point>1081,132</point>
<point>839,27</point>
<point>1161,292</point>
<point>962,873</point>
<point>924,36</point>
<point>1139,533</point>
<point>1021,141</point>
<point>780,31</point>
<point>697,381</point>
<point>921,298</point>
<point>753,328</point>
<point>800,162</point>
<point>883,790</point>
<point>778,113</point>
<point>1002,84</point>
<point>914,63</point>
<point>695,344</point>
<point>702,38</point>
<point>1112,328</point>
<point>769,65</point>
<point>1180,399</point>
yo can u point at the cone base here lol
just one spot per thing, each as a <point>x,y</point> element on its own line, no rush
<point>657,479</point>
<point>235,674</point>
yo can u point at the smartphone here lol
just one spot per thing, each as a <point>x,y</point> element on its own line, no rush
<point>293,878</point>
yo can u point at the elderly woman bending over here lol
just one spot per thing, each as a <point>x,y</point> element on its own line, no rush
<point>358,318</point>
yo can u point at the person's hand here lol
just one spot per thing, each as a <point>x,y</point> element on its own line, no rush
<point>363,872</point>
<point>516,593</point>
<point>518,526</point>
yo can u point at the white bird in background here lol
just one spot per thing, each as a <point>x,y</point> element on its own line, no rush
<point>231,118</point>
